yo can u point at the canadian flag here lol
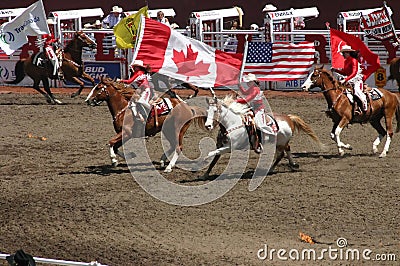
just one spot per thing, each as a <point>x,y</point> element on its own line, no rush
<point>368,60</point>
<point>175,55</point>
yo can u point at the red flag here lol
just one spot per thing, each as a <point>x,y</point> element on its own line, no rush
<point>369,61</point>
<point>175,55</point>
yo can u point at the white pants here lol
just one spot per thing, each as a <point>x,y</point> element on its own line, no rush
<point>261,123</point>
<point>143,101</point>
<point>145,98</point>
<point>51,55</point>
<point>358,91</point>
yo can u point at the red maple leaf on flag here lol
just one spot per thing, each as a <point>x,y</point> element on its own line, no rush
<point>187,64</point>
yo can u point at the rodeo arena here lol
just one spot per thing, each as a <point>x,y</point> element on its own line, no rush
<point>129,140</point>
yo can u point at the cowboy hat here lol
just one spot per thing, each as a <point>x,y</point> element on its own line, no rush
<point>346,48</point>
<point>249,77</point>
<point>138,63</point>
<point>254,27</point>
<point>51,21</point>
<point>116,9</point>
<point>269,7</point>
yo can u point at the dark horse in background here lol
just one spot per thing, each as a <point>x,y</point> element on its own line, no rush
<point>395,71</point>
<point>72,67</point>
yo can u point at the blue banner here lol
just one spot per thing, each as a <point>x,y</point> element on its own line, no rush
<point>100,69</point>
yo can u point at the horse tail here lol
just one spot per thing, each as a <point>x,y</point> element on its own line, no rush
<point>393,66</point>
<point>19,73</point>
<point>398,114</point>
<point>301,125</point>
<point>199,116</point>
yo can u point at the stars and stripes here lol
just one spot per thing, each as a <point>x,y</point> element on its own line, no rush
<point>279,61</point>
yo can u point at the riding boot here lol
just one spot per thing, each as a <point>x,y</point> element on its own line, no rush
<point>259,141</point>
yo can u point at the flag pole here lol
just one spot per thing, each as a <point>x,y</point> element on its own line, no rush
<point>328,27</point>
<point>391,21</point>
<point>246,43</point>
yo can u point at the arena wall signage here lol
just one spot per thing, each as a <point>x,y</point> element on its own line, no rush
<point>100,69</point>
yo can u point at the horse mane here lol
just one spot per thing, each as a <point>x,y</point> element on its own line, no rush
<point>126,91</point>
<point>69,44</point>
<point>331,77</point>
<point>238,108</point>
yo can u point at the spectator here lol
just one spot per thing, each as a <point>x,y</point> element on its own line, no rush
<point>113,18</point>
<point>162,19</point>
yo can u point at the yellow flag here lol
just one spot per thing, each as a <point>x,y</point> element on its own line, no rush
<point>126,30</point>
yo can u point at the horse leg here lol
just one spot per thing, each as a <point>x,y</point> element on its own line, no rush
<point>165,155</point>
<point>217,152</point>
<point>341,146</point>
<point>37,88</point>
<point>333,131</point>
<point>114,144</point>
<point>278,157</point>
<point>211,166</point>
<point>381,134</point>
<point>292,164</point>
<point>46,85</point>
<point>178,149</point>
<point>81,84</point>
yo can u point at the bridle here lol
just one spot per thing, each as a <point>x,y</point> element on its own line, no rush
<point>218,105</point>
<point>317,77</point>
<point>103,88</point>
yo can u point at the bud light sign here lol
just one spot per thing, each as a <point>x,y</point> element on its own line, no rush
<point>97,70</point>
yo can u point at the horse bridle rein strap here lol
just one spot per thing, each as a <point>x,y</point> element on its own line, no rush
<point>72,62</point>
<point>230,130</point>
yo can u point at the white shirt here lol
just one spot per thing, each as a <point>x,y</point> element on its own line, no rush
<point>110,21</point>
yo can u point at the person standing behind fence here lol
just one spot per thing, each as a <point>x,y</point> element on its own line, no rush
<point>162,19</point>
<point>113,18</point>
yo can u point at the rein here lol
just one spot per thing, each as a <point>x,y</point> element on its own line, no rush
<point>72,62</point>
<point>230,130</point>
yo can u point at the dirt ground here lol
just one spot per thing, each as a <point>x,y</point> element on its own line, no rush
<point>61,199</point>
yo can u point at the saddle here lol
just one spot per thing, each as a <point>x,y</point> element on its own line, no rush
<point>161,106</point>
<point>372,94</point>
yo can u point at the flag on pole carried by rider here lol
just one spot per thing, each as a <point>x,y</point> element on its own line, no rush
<point>126,30</point>
<point>379,25</point>
<point>369,61</point>
<point>172,54</point>
<point>31,22</point>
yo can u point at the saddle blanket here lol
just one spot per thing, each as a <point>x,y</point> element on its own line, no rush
<point>40,59</point>
<point>374,94</point>
<point>162,107</point>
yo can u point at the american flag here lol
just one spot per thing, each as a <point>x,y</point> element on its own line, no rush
<point>279,61</point>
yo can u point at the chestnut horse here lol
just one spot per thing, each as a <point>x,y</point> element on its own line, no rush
<point>340,110</point>
<point>394,69</point>
<point>234,135</point>
<point>117,96</point>
<point>72,67</point>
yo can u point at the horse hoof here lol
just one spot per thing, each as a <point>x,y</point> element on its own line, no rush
<point>114,164</point>
<point>382,155</point>
<point>167,170</point>
<point>58,101</point>
<point>294,166</point>
<point>73,95</point>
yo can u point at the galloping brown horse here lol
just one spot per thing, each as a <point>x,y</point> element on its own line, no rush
<point>340,110</point>
<point>72,67</point>
<point>395,71</point>
<point>117,96</point>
